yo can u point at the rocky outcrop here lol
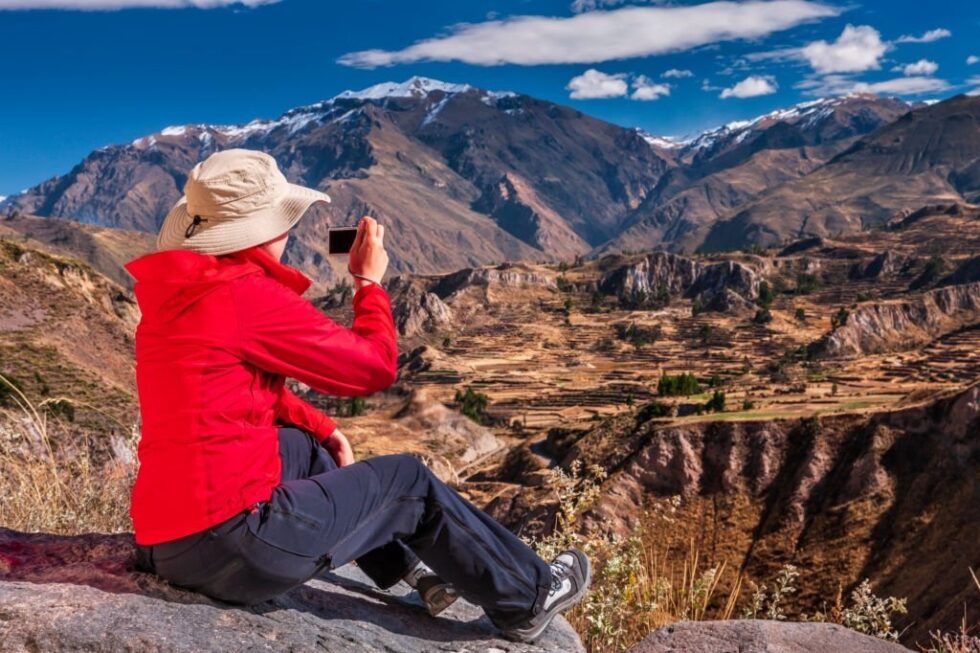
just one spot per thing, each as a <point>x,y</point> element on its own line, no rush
<point>881,327</point>
<point>966,272</point>
<point>416,310</point>
<point>461,438</point>
<point>61,593</point>
<point>726,286</point>
<point>885,264</point>
<point>658,270</point>
<point>505,275</point>
<point>760,637</point>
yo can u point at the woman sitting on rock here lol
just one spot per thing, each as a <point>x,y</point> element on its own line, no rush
<point>244,490</point>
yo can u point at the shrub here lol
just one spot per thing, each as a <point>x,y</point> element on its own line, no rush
<point>473,404</point>
<point>866,613</point>
<point>716,403</point>
<point>839,319</point>
<point>800,315</point>
<point>762,316</point>
<point>806,283</point>
<point>651,410</point>
<point>679,385</point>
<point>766,295</point>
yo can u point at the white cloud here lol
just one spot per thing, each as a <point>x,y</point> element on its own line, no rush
<point>920,67</point>
<point>102,5</point>
<point>645,88</point>
<point>596,36</point>
<point>677,73</point>
<point>594,84</point>
<point>844,85</point>
<point>751,86</point>
<point>856,49</point>
<point>928,37</point>
<point>972,59</point>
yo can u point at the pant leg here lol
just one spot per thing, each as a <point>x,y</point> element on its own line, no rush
<point>303,457</point>
<point>345,513</point>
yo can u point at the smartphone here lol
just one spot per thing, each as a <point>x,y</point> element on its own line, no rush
<point>340,239</point>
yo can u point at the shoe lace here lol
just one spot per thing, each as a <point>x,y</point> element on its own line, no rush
<point>558,572</point>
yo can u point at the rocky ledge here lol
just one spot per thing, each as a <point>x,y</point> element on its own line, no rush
<point>74,593</point>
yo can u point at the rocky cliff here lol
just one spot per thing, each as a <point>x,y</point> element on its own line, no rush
<point>890,496</point>
<point>879,327</point>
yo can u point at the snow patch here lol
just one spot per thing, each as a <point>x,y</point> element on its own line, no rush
<point>413,87</point>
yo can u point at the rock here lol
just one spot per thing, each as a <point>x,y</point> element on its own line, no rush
<point>448,427</point>
<point>505,275</point>
<point>733,276</point>
<point>966,272</point>
<point>72,593</point>
<point>751,636</point>
<point>881,327</point>
<point>651,273</point>
<point>416,310</point>
<point>886,264</point>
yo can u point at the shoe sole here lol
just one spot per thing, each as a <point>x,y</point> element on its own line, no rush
<point>529,635</point>
<point>438,601</point>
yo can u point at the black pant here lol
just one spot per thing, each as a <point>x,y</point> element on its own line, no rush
<point>384,512</point>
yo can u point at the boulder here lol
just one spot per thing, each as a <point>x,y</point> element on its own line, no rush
<point>74,593</point>
<point>752,636</point>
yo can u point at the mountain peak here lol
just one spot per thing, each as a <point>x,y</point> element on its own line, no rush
<point>412,87</point>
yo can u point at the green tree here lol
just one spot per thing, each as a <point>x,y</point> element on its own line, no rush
<point>765,295</point>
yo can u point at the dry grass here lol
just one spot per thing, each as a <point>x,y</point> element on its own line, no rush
<point>638,584</point>
<point>56,479</point>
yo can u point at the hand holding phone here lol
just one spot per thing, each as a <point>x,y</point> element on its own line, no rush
<point>367,254</point>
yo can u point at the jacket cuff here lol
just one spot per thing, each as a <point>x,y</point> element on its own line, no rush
<point>325,429</point>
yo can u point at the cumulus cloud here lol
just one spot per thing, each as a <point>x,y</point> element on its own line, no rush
<point>645,88</point>
<point>928,37</point>
<point>844,85</point>
<point>596,36</point>
<point>677,73</point>
<point>751,86</point>
<point>104,5</point>
<point>972,59</point>
<point>920,67</point>
<point>594,84</point>
<point>857,49</point>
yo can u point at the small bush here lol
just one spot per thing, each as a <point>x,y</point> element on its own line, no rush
<point>679,385</point>
<point>473,404</point>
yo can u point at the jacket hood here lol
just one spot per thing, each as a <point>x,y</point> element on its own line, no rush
<point>169,281</point>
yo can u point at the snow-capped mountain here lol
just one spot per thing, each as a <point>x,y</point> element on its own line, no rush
<point>468,175</point>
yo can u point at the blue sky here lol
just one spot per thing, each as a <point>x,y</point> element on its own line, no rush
<point>93,72</point>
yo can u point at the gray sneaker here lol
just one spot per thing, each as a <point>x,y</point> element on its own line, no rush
<point>571,574</point>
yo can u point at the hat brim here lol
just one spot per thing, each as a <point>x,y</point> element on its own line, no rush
<point>231,235</point>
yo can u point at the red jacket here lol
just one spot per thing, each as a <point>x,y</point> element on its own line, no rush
<point>217,338</point>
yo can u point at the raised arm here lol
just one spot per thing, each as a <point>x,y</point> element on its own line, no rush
<point>285,334</point>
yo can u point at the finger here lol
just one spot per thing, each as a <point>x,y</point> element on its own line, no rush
<point>359,236</point>
<point>373,229</point>
<point>381,233</point>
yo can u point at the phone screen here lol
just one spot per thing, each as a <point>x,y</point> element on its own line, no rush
<point>340,240</point>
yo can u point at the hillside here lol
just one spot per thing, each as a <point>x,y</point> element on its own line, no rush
<point>66,331</point>
<point>929,156</point>
<point>465,176</point>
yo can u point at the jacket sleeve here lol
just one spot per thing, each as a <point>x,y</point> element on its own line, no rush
<point>285,334</point>
<point>293,410</point>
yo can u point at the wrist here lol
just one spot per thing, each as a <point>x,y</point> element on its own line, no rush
<point>361,283</point>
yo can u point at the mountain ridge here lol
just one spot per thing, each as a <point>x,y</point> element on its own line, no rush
<point>468,176</point>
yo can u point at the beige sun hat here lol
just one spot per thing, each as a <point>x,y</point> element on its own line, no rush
<point>232,200</point>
